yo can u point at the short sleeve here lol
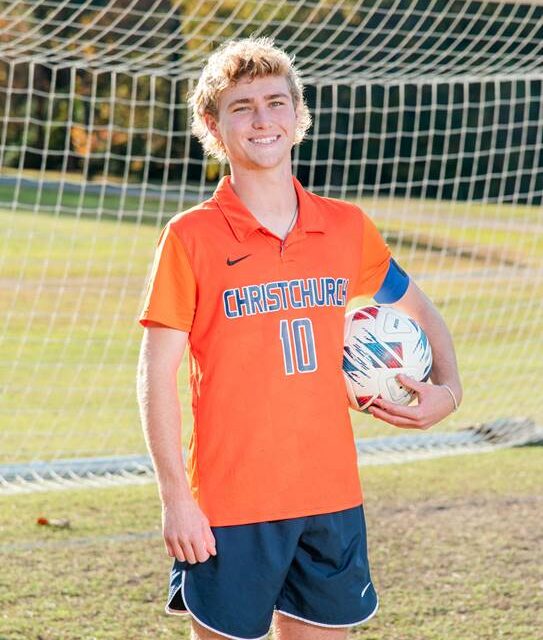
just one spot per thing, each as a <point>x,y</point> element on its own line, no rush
<point>374,260</point>
<point>171,291</point>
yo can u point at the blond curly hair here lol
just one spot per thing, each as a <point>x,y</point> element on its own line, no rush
<point>233,60</point>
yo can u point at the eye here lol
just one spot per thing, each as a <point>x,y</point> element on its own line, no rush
<point>277,102</point>
<point>239,109</point>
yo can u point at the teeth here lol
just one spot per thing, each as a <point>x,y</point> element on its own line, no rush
<point>264,140</point>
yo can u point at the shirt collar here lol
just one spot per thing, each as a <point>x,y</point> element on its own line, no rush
<point>243,222</point>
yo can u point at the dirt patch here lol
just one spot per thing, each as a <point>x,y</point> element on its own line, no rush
<point>459,569</point>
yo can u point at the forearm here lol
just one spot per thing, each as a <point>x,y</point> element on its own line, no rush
<point>445,369</point>
<point>161,422</point>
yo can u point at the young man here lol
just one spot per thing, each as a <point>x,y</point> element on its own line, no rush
<point>256,279</point>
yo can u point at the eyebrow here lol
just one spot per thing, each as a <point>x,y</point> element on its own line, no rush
<point>249,100</point>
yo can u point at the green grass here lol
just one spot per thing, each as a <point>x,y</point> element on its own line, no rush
<point>454,542</point>
<point>454,545</point>
<point>522,246</point>
<point>458,212</point>
<point>85,203</point>
<point>73,289</point>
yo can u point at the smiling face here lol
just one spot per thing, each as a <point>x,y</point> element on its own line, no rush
<point>256,123</point>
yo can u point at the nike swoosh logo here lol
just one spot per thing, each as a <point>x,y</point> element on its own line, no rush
<point>231,262</point>
<point>365,589</point>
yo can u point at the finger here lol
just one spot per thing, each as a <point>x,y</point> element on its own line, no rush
<point>409,383</point>
<point>200,550</point>
<point>210,542</point>
<point>401,410</point>
<point>188,551</point>
<point>169,544</point>
<point>177,552</point>
<point>397,421</point>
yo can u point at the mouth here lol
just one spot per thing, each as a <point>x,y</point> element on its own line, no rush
<point>264,141</point>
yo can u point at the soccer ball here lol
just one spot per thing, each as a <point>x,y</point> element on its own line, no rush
<point>381,342</point>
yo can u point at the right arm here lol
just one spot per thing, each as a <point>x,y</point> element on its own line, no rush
<point>186,530</point>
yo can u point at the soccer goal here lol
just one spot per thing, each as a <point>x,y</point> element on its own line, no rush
<point>428,113</point>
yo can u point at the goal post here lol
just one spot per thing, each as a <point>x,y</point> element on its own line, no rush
<point>427,113</point>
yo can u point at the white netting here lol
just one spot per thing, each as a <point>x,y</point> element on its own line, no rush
<point>345,40</point>
<point>429,113</point>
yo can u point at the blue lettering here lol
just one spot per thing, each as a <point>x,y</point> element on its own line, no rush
<point>283,285</point>
<point>284,294</point>
<point>344,292</point>
<point>330,292</point>
<point>242,302</point>
<point>307,293</point>
<point>340,292</point>
<point>319,295</point>
<point>227,297</point>
<point>273,299</point>
<point>296,304</point>
<point>255,299</point>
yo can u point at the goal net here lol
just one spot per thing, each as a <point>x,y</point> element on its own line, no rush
<point>428,113</point>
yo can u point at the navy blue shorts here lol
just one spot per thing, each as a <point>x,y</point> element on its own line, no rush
<point>313,568</point>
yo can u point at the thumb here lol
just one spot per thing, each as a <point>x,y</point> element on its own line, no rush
<point>410,383</point>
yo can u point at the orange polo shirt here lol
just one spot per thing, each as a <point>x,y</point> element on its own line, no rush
<point>272,436</point>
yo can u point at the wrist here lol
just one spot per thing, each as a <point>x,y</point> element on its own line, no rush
<point>174,494</point>
<point>456,396</point>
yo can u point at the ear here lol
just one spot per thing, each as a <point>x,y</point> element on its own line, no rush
<point>212,126</point>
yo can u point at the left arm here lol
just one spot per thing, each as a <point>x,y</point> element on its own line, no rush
<point>434,401</point>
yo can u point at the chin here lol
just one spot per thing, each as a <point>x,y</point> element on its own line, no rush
<point>271,161</point>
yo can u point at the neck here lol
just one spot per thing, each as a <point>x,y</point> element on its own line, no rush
<point>267,194</point>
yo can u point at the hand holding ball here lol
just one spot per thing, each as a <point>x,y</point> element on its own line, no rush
<point>380,343</point>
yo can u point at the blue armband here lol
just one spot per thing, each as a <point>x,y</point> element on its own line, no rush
<point>394,285</point>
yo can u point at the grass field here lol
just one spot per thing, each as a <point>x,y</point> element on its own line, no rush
<point>72,289</point>
<point>455,543</point>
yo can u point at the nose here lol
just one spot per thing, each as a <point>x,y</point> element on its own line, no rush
<point>261,119</point>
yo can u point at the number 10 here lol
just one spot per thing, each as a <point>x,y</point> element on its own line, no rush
<point>304,346</point>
